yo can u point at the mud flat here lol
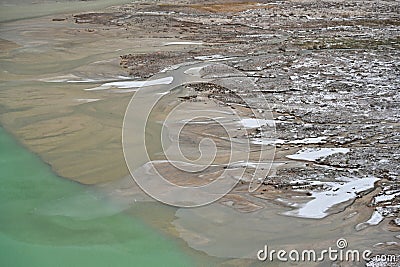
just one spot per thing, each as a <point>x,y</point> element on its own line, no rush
<point>328,70</point>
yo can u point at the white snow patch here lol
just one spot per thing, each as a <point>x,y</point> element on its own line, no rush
<point>385,198</point>
<point>256,123</point>
<point>155,12</point>
<point>376,218</point>
<point>194,71</point>
<point>132,84</point>
<point>339,193</point>
<point>121,77</point>
<point>183,43</point>
<point>312,154</point>
<point>175,67</point>
<point>213,58</point>
<point>268,141</point>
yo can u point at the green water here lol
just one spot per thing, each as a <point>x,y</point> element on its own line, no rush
<point>48,221</point>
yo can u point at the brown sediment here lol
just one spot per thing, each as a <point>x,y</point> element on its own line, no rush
<point>7,45</point>
<point>226,7</point>
<point>81,141</point>
<point>240,203</point>
<point>99,18</point>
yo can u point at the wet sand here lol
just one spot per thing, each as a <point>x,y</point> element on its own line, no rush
<point>80,140</point>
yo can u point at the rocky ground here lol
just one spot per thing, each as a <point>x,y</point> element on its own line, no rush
<point>329,69</point>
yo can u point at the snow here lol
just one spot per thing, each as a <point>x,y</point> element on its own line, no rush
<point>213,58</point>
<point>194,71</point>
<point>315,140</point>
<point>375,219</point>
<point>312,154</point>
<point>155,12</point>
<point>256,123</point>
<point>268,141</point>
<point>132,84</point>
<point>323,201</point>
<point>385,198</point>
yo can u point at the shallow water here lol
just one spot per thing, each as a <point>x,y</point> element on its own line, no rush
<point>49,221</point>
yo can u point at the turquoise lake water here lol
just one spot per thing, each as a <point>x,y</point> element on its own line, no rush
<point>48,221</point>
